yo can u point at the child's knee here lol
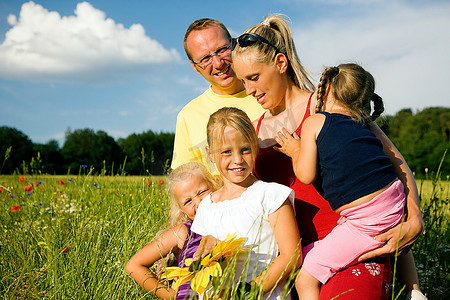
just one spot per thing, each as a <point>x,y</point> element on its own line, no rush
<point>304,279</point>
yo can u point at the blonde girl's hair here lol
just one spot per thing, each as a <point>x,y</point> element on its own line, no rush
<point>353,87</point>
<point>177,216</point>
<point>276,29</point>
<point>235,118</point>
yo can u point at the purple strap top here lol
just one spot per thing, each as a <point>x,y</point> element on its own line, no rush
<point>189,248</point>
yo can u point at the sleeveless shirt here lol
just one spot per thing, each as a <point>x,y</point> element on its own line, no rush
<point>352,163</point>
<point>190,246</point>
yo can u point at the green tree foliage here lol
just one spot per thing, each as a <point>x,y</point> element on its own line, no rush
<point>52,159</point>
<point>148,152</point>
<point>21,149</point>
<point>422,138</point>
<point>85,147</point>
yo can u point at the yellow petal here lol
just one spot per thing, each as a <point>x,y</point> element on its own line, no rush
<point>188,261</point>
<point>227,248</point>
<point>214,270</point>
<point>174,272</point>
<point>200,281</point>
<point>202,277</point>
<point>182,280</point>
<point>206,260</point>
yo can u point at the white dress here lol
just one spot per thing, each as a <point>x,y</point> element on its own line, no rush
<point>248,217</point>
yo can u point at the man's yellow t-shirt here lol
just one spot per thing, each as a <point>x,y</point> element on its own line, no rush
<point>190,135</point>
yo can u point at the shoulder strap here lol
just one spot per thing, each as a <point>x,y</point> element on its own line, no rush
<point>259,123</point>
<point>306,115</point>
<point>308,108</point>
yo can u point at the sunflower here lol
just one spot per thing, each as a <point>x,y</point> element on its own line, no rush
<point>210,266</point>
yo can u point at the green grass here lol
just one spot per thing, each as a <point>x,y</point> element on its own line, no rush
<point>72,241</point>
<point>432,250</point>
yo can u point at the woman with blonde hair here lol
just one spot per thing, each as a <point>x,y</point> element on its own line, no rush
<point>265,59</point>
<point>358,180</point>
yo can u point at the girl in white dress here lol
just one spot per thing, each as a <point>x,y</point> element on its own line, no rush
<point>258,211</point>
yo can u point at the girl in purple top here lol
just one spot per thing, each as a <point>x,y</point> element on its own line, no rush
<point>188,185</point>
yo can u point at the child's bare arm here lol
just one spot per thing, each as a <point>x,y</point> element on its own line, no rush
<point>287,236</point>
<point>303,151</point>
<point>289,143</point>
<point>206,244</point>
<point>138,266</point>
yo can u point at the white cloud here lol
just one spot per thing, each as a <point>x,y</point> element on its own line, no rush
<point>12,20</point>
<point>59,137</point>
<point>44,46</point>
<point>116,134</point>
<point>187,80</point>
<point>172,109</point>
<point>405,47</point>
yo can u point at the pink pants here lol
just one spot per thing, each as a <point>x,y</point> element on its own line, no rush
<point>353,236</point>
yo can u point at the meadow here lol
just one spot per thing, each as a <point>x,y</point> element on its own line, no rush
<point>69,237</point>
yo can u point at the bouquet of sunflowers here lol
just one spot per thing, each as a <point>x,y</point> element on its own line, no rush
<point>200,272</point>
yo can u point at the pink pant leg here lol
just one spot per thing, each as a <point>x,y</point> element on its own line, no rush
<point>354,235</point>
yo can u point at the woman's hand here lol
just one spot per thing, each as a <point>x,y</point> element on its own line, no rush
<point>402,236</point>
<point>289,144</point>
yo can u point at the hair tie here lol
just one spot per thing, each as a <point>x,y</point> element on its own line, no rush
<point>336,69</point>
<point>265,23</point>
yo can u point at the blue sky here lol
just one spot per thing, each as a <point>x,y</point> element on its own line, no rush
<point>120,67</point>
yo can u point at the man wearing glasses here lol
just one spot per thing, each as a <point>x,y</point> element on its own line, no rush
<point>208,46</point>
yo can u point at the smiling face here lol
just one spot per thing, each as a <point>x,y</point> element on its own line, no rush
<point>235,159</point>
<point>266,82</point>
<point>219,73</point>
<point>190,192</point>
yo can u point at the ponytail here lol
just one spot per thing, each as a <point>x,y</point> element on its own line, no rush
<point>295,70</point>
<point>276,30</point>
<point>325,79</point>
<point>378,106</point>
<point>353,87</point>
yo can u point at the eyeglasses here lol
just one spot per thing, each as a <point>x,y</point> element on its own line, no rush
<point>248,39</point>
<point>207,60</point>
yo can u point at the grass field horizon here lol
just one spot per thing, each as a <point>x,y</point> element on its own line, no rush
<point>69,237</point>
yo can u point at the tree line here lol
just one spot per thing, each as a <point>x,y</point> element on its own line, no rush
<point>138,154</point>
<point>421,137</point>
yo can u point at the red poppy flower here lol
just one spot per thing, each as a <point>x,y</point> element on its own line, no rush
<point>1,190</point>
<point>61,182</point>
<point>22,178</point>
<point>28,188</point>
<point>15,208</point>
<point>149,183</point>
<point>36,183</point>
<point>66,249</point>
<point>161,182</point>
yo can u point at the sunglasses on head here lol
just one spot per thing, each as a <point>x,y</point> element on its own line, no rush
<point>248,39</point>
